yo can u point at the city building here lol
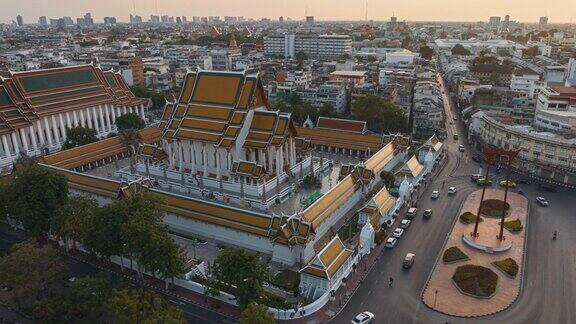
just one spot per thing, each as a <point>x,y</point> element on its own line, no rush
<point>20,21</point>
<point>314,46</point>
<point>544,155</point>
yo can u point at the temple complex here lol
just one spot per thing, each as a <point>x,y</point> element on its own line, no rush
<point>231,170</point>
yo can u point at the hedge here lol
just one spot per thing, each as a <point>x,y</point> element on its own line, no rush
<point>469,218</point>
<point>514,226</point>
<point>476,280</point>
<point>454,254</point>
<point>508,266</point>
<point>494,208</point>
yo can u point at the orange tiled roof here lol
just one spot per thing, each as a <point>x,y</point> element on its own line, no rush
<point>213,106</point>
<point>355,126</point>
<point>27,96</point>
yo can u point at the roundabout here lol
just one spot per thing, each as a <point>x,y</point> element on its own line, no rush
<point>480,284</point>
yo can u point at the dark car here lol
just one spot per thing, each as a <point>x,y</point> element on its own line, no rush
<point>546,188</point>
<point>524,181</point>
<point>477,158</point>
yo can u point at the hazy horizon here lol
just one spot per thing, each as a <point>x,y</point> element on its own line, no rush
<point>528,11</point>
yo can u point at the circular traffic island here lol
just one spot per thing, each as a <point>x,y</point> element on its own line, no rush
<point>475,281</point>
<point>495,208</point>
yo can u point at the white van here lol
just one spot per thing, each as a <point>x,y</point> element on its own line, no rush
<point>411,213</point>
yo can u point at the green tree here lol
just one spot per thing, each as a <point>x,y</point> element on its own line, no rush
<point>301,56</point>
<point>31,271</point>
<point>256,314</point>
<point>426,52</point>
<point>35,196</point>
<point>83,300</point>
<point>78,136</point>
<point>105,237</point>
<point>142,306</point>
<point>388,179</point>
<point>531,51</point>
<point>4,196</point>
<point>458,49</point>
<point>240,269</point>
<point>131,121</point>
<point>158,98</point>
<point>379,114</point>
<point>74,219</point>
<point>327,110</point>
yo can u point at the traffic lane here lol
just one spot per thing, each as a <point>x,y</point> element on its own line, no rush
<point>425,238</point>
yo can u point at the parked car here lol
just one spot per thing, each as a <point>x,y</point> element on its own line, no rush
<point>524,181</point>
<point>405,223</point>
<point>475,177</point>
<point>435,194</point>
<point>408,261</point>
<point>509,184</point>
<point>398,232</point>
<point>427,213</point>
<point>363,318</point>
<point>482,182</point>
<point>455,137</point>
<point>411,213</point>
<point>461,148</point>
<point>390,242</point>
<point>542,201</point>
<point>451,190</point>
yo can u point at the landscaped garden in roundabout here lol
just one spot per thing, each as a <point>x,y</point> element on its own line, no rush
<point>495,208</point>
<point>475,280</point>
<point>479,270</point>
<point>454,254</point>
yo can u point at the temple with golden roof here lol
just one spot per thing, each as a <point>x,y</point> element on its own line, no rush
<point>37,107</point>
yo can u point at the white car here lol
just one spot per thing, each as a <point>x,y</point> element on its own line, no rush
<point>461,148</point>
<point>435,194</point>
<point>398,232</point>
<point>363,318</point>
<point>390,242</point>
<point>405,223</point>
<point>542,201</point>
<point>451,190</point>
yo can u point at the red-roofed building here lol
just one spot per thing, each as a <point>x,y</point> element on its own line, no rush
<point>355,126</point>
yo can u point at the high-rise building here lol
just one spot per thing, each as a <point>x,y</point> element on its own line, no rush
<point>543,22</point>
<point>494,21</point>
<point>110,21</point>
<point>179,20</point>
<point>88,19</point>
<point>20,20</point>
<point>310,20</point>
<point>42,21</point>
<point>154,19</point>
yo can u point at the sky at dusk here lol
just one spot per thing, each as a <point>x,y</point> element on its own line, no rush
<point>411,10</point>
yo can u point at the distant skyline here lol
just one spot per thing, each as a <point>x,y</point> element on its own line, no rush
<point>558,11</point>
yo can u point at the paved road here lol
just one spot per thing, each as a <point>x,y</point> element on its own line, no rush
<point>549,291</point>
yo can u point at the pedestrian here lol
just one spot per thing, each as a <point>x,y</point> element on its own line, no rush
<point>390,282</point>
<point>443,183</point>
